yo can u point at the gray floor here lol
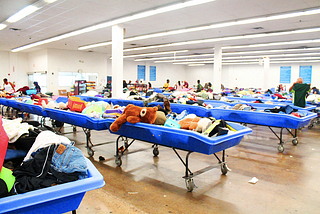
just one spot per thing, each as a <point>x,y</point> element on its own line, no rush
<point>288,182</point>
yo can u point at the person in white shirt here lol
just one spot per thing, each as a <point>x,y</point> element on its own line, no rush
<point>8,86</point>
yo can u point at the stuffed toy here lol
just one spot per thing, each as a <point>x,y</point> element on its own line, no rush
<point>189,123</point>
<point>167,108</point>
<point>62,105</point>
<point>135,114</point>
<point>203,125</point>
<point>161,118</point>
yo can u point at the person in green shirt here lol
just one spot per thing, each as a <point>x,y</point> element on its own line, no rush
<point>300,91</point>
<point>199,86</point>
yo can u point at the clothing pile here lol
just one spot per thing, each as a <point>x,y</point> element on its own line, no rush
<point>206,126</point>
<point>15,129</point>
<point>314,98</point>
<point>285,110</point>
<point>244,107</point>
<point>51,160</point>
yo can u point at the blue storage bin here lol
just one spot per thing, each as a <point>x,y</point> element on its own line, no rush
<point>31,91</point>
<point>62,100</point>
<point>56,199</point>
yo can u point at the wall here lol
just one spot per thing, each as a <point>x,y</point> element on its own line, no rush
<point>73,61</point>
<point>4,64</point>
<point>38,61</point>
<point>12,65</point>
<point>246,76</point>
<point>164,71</point>
<point>202,73</point>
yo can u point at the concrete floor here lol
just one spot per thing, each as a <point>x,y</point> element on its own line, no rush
<point>288,182</point>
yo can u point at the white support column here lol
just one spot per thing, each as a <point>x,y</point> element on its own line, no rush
<point>117,61</point>
<point>217,68</point>
<point>266,65</point>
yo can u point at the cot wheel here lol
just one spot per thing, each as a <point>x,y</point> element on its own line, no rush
<point>189,184</point>
<point>90,152</point>
<point>126,144</point>
<point>280,148</point>
<point>310,126</point>
<point>224,169</point>
<point>74,128</point>
<point>118,161</point>
<point>155,152</point>
<point>295,142</point>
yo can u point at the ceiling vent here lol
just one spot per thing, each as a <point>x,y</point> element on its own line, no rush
<point>257,28</point>
<point>14,29</point>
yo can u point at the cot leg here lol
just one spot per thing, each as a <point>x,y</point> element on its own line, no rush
<point>42,121</point>
<point>155,150</point>
<point>74,211</point>
<point>223,164</point>
<point>295,140</point>
<point>188,174</point>
<point>118,160</point>
<point>280,146</point>
<point>89,143</point>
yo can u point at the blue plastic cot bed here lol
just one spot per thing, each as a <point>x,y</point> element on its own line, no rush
<point>56,199</point>
<point>272,120</point>
<point>259,105</point>
<point>177,139</point>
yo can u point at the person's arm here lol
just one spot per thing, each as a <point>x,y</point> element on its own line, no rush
<point>12,86</point>
<point>290,89</point>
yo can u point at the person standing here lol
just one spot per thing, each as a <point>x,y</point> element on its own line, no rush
<point>8,86</point>
<point>300,91</point>
<point>166,85</point>
<point>199,86</point>
<point>178,86</point>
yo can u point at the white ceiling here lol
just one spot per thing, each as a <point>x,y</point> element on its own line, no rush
<point>64,16</point>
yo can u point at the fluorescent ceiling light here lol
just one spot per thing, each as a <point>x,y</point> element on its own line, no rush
<point>50,1</point>
<point>186,63</point>
<point>298,58</point>
<point>22,13</point>
<point>196,64</point>
<point>273,44</point>
<point>250,36</point>
<point>117,21</point>
<point>230,53</point>
<point>272,56</point>
<point>157,53</point>
<point>298,55</point>
<point>184,60</point>
<point>240,63</point>
<point>295,61</point>
<point>270,51</point>
<point>94,45</point>
<point>175,57</point>
<point>2,26</point>
<point>213,26</point>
